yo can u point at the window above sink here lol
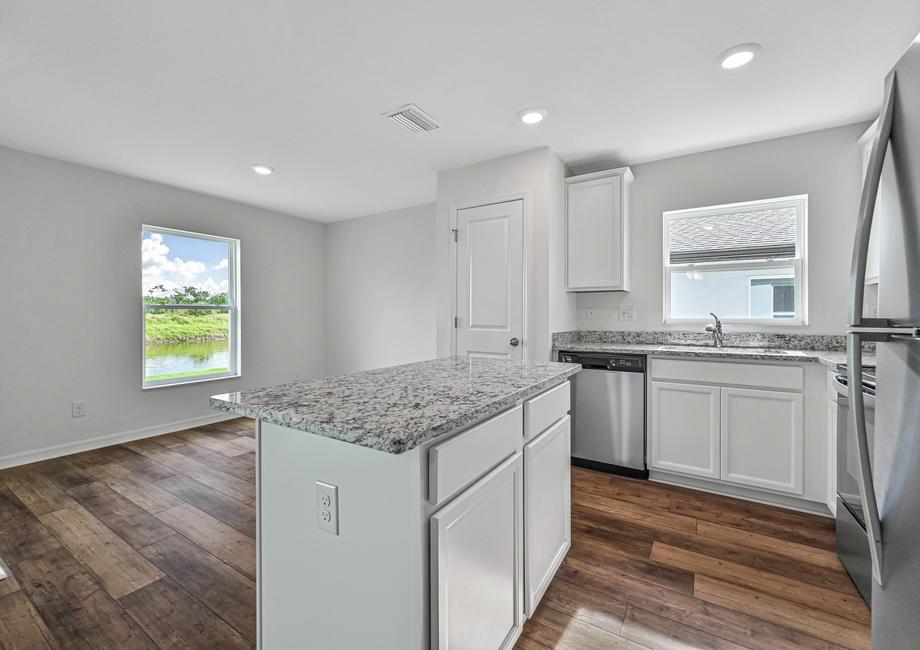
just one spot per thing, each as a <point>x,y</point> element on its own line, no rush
<point>743,261</point>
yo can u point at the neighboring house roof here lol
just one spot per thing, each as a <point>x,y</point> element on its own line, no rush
<point>734,236</point>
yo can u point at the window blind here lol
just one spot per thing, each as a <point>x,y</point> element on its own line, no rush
<point>733,236</point>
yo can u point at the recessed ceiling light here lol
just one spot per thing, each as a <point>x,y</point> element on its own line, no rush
<point>262,170</point>
<point>740,55</point>
<point>532,116</point>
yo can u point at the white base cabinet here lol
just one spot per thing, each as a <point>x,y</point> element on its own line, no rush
<point>685,428</point>
<point>476,563</point>
<point>762,439</point>
<point>750,425</point>
<point>547,508</point>
<point>832,442</point>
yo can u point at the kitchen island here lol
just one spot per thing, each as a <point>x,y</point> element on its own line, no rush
<point>392,502</point>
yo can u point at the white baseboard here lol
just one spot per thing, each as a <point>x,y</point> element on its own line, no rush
<point>738,492</point>
<point>56,451</point>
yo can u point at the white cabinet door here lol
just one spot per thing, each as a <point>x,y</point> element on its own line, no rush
<point>597,231</point>
<point>547,509</point>
<point>477,564</point>
<point>832,456</point>
<point>684,431</point>
<point>762,438</point>
<point>490,280</point>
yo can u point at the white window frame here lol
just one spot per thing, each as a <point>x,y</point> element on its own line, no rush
<point>766,265</point>
<point>233,308</point>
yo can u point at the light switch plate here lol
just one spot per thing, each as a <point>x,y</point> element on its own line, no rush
<point>327,507</point>
<point>78,409</point>
<point>590,314</point>
<point>627,312</point>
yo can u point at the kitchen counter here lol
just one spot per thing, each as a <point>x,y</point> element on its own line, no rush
<point>396,409</point>
<point>829,358</point>
<point>407,505</point>
<point>827,349</point>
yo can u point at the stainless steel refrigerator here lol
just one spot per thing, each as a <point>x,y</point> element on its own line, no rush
<point>890,471</point>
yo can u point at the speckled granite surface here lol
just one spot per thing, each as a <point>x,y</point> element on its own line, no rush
<point>398,408</point>
<point>732,339</point>
<point>829,350</point>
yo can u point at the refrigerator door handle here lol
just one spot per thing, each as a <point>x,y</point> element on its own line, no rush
<point>867,205</point>
<point>855,337</point>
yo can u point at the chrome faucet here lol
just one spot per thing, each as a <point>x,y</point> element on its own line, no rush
<point>716,329</point>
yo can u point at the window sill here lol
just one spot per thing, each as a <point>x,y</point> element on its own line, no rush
<point>169,383</point>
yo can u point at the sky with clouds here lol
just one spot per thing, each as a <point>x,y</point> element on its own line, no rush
<point>176,262</point>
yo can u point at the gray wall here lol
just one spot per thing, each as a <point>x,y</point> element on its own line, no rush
<point>822,164</point>
<point>380,284</point>
<point>70,327</point>
<point>351,295</point>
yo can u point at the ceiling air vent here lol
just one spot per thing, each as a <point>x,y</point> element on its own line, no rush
<point>413,118</point>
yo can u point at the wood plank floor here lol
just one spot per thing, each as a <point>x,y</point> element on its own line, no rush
<point>655,566</point>
<point>145,545</point>
<point>151,545</point>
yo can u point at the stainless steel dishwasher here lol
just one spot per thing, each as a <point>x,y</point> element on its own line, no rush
<point>608,412</point>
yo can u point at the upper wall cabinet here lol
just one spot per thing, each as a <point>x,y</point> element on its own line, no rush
<point>597,231</point>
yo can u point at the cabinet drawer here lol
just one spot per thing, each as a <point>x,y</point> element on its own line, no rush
<point>458,462</point>
<point>545,409</point>
<point>722,372</point>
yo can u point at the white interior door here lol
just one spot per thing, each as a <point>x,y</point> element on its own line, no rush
<point>490,281</point>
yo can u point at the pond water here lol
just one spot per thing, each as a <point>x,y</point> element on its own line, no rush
<point>197,358</point>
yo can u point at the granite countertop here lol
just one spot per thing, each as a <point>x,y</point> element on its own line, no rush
<point>827,349</point>
<point>398,408</point>
<point>829,358</point>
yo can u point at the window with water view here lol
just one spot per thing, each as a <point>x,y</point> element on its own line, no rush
<point>744,261</point>
<point>190,302</point>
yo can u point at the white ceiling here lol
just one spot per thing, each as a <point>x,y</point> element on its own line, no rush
<point>192,93</point>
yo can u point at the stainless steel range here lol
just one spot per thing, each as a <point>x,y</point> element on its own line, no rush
<point>852,538</point>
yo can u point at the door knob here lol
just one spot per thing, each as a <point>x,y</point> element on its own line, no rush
<point>515,341</point>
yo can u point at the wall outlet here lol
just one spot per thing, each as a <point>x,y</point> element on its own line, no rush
<point>78,409</point>
<point>627,312</point>
<point>590,314</point>
<point>327,507</point>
